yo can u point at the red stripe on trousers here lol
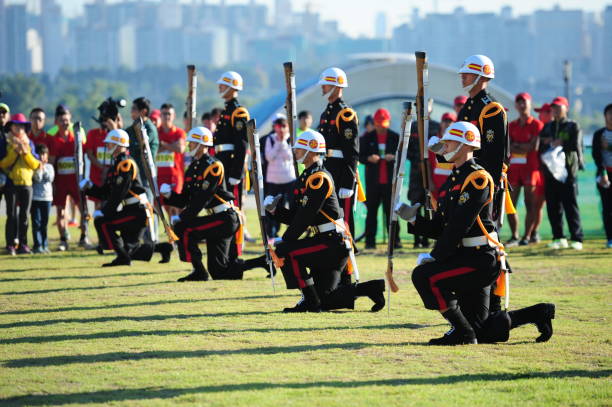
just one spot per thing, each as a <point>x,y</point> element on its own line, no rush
<point>296,266</point>
<point>237,196</point>
<point>114,222</point>
<point>197,228</point>
<point>447,274</point>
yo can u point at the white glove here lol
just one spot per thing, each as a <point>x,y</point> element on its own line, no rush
<point>165,190</point>
<point>433,140</point>
<point>97,214</point>
<point>344,193</point>
<point>434,144</point>
<point>175,219</point>
<point>271,202</point>
<point>424,258</point>
<point>407,212</point>
<point>85,184</point>
<point>233,181</point>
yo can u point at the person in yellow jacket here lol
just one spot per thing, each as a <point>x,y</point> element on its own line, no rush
<point>19,164</point>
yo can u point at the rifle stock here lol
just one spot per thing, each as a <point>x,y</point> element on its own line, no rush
<point>192,86</point>
<point>291,106</point>
<point>422,72</point>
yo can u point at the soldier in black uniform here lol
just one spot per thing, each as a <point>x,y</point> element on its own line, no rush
<point>204,191</point>
<point>339,126</point>
<point>467,258</point>
<point>125,211</point>
<point>314,264</point>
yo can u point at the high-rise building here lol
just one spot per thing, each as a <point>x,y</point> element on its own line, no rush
<point>380,25</point>
<point>17,58</point>
<point>51,22</point>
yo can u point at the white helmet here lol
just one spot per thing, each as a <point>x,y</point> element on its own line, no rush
<point>231,79</point>
<point>463,132</point>
<point>200,135</point>
<point>333,76</point>
<point>118,137</point>
<point>311,140</point>
<point>479,65</point>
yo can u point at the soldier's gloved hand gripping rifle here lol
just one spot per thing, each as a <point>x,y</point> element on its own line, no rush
<point>291,107</point>
<point>258,187</point>
<point>399,171</point>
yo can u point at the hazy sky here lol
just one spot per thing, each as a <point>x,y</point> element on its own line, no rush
<point>356,17</point>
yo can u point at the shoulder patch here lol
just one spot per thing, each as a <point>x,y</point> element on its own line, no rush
<point>216,170</point>
<point>490,110</point>
<point>240,113</point>
<point>316,181</point>
<point>346,115</point>
<point>479,179</point>
<point>127,165</point>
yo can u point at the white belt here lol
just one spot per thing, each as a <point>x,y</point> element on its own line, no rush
<point>142,198</point>
<point>335,153</point>
<point>442,171</point>
<point>518,160</point>
<point>217,209</point>
<point>330,226</point>
<point>479,240</point>
<point>224,147</point>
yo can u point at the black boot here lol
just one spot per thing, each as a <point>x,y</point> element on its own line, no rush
<point>122,259</point>
<point>540,314</point>
<point>462,332</point>
<point>425,243</point>
<point>375,290</point>
<point>258,262</point>
<point>309,303</point>
<point>165,249</point>
<point>199,273</point>
<point>417,242</point>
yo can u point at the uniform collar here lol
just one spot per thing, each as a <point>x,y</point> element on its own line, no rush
<point>465,165</point>
<point>231,102</point>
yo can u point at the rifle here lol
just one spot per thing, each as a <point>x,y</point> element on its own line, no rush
<point>79,161</point>
<point>257,176</point>
<point>422,71</point>
<point>151,176</point>
<point>192,86</point>
<point>396,191</point>
<point>291,107</point>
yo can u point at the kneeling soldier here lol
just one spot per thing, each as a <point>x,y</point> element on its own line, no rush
<point>204,191</point>
<point>125,211</point>
<point>314,264</point>
<point>455,278</point>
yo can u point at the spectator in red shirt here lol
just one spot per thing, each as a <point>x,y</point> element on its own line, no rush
<point>544,113</point>
<point>155,117</point>
<point>37,132</point>
<point>441,170</point>
<point>65,185</point>
<point>458,103</point>
<point>524,171</point>
<point>169,158</point>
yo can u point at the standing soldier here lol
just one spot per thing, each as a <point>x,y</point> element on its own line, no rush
<point>204,191</point>
<point>314,264</point>
<point>122,229</point>
<point>230,138</point>
<point>339,125</point>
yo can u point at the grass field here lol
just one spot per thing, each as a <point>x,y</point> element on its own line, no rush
<point>74,333</point>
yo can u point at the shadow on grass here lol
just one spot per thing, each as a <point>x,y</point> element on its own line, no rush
<point>137,304</point>
<point>81,277</point>
<point>128,318</point>
<point>99,287</point>
<point>151,393</point>
<point>163,355</point>
<point>130,334</point>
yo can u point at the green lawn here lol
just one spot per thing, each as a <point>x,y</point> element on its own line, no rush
<point>74,333</point>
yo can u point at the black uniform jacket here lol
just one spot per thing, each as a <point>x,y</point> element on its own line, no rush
<point>339,125</point>
<point>121,182</point>
<point>231,129</point>
<point>204,185</point>
<point>368,145</point>
<point>490,117</point>
<point>313,194</point>
<point>455,216</point>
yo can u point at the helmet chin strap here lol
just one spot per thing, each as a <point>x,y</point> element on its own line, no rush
<point>467,89</point>
<point>222,94</point>
<point>328,94</point>
<point>448,156</point>
<point>111,150</point>
<point>193,152</point>
<point>301,160</point>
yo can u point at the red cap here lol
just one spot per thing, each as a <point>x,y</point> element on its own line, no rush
<point>449,116</point>
<point>460,100</point>
<point>544,108</point>
<point>523,95</point>
<point>19,118</point>
<point>560,100</point>
<point>382,117</point>
<point>155,114</point>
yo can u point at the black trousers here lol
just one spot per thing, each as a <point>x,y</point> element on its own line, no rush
<point>562,197</point>
<point>606,207</point>
<point>218,231</point>
<point>123,232</point>
<point>18,202</point>
<point>439,282</point>
<point>318,261</point>
<point>272,225</point>
<point>377,194</point>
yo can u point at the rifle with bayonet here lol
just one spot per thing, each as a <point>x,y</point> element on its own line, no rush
<point>422,105</point>
<point>291,106</point>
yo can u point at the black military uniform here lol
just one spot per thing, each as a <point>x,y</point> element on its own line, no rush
<point>379,179</point>
<point>314,264</point>
<point>339,125</point>
<point>126,213</point>
<point>204,191</point>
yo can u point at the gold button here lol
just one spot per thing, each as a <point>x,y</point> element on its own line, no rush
<point>453,178</point>
<point>469,107</point>
<point>451,198</point>
<point>465,118</point>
